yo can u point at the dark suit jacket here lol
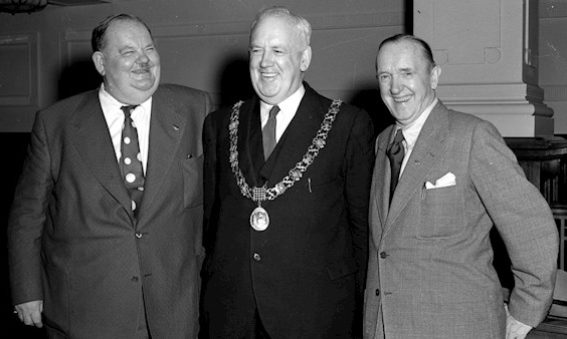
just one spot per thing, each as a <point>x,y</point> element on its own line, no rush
<point>430,272</point>
<point>73,240</point>
<point>302,271</point>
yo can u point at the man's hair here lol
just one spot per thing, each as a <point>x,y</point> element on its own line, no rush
<point>300,23</point>
<point>98,40</point>
<point>422,45</point>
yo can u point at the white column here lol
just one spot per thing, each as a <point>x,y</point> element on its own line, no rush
<point>488,51</point>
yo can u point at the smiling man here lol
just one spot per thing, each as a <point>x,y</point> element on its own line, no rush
<point>104,236</point>
<point>442,180</point>
<point>287,179</point>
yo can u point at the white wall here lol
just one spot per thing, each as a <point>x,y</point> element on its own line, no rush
<point>45,56</point>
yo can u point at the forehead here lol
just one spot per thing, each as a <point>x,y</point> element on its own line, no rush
<point>125,30</point>
<point>275,28</point>
<point>403,54</point>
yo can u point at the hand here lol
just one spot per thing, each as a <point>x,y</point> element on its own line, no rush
<point>514,328</point>
<point>30,312</point>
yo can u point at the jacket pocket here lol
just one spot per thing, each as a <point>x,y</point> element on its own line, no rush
<point>193,182</point>
<point>341,269</point>
<point>441,213</point>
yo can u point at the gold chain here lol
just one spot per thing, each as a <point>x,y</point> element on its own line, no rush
<point>294,174</point>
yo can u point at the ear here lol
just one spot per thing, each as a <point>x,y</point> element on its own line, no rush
<point>435,74</point>
<point>305,59</point>
<point>98,60</point>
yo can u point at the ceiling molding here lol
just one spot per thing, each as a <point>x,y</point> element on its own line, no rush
<point>77,2</point>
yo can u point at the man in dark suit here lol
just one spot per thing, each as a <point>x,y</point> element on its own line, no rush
<point>286,199</point>
<point>103,244</point>
<point>430,273</point>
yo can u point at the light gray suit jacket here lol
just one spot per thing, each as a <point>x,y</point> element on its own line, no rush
<point>430,272</point>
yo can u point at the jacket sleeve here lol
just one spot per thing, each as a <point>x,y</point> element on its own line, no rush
<point>209,179</point>
<point>523,219</point>
<point>27,218</point>
<point>359,166</point>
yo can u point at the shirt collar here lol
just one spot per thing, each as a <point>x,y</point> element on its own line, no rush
<point>411,131</point>
<point>290,104</point>
<point>112,106</point>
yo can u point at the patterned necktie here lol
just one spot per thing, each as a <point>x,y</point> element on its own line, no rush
<point>396,155</point>
<point>131,159</point>
<point>269,132</point>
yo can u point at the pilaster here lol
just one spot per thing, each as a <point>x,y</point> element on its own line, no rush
<point>488,52</point>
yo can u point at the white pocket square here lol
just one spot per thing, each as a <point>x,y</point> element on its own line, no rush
<point>445,181</point>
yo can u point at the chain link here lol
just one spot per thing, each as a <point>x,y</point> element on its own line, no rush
<point>295,174</point>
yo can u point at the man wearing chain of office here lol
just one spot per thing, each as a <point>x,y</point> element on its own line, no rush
<point>287,177</point>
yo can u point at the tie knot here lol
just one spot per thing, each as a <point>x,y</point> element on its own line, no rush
<point>128,109</point>
<point>396,147</point>
<point>274,111</point>
<point>399,137</point>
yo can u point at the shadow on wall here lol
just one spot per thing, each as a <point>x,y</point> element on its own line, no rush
<point>234,81</point>
<point>78,77</point>
<point>370,101</point>
<point>408,17</point>
<point>234,84</point>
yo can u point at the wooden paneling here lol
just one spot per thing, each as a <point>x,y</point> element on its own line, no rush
<point>18,69</point>
<point>544,162</point>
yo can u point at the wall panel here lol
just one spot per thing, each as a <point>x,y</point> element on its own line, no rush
<point>203,44</point>
<point>553,59</point>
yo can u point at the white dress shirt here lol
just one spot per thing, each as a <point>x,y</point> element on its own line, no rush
<point>288,108</point>
<point>115,121</point>
<point>411,133</point>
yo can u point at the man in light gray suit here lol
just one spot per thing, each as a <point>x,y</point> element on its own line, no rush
<point>430,273</point>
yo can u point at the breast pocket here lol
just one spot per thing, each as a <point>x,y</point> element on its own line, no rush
<point>442,212</point>
<point>193,182</point>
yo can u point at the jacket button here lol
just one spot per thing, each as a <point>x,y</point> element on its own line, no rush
<point>377,292</point>
<point>383,255</point>
<point>257,257</point>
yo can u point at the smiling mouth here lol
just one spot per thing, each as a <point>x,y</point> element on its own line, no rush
<point>142,73</point>
<point>401,100</point>
<point>267,74</point>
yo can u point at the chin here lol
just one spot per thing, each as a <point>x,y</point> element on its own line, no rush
<point>268,94</point>
<point>145,86</point>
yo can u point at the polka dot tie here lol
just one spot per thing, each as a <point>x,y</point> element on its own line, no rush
<point>131,159</point>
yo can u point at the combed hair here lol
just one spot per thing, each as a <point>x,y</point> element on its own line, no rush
<point>424,46</point>
<point>302,25</point>
<point>97,39</point>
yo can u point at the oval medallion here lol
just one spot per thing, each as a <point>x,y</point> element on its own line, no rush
<point>259,219</point>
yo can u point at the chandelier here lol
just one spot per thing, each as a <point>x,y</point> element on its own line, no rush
<point>22,6</point>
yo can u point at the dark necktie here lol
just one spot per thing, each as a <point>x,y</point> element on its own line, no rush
<point>396,155</point>
<point>131,159</point>
<point>269,132</point>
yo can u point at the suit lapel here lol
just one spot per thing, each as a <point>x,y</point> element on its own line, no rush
<point>166,128</point>
<point>93,143</point>
<point>296,139</point>
<point>250,151</point>
<point>428,147</point>
<point>381,184</point>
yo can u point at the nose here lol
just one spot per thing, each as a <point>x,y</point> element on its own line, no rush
<point>395,85</point>
<point>266,59</point>
<point>143,58</point>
